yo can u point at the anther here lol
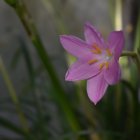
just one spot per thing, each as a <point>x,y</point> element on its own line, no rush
<point>107,65</point>
<point>101,66</point>
<point>108,52</point>
<point>92,61</point>
<point>96,50</point>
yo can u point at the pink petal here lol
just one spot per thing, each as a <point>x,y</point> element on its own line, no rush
<point>92,35</point>
<point>113,73</point>
<point>81,70</point>
<point>116,42</point>
<point>96,88</point>
<point>74,45</point>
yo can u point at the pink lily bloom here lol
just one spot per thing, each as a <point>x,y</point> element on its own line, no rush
<point>97,60</point>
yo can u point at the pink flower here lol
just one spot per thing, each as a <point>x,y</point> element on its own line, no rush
<point>97,60</point>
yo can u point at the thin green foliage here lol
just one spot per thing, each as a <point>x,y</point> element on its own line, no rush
<point>32,32</point>
<point>117,116</point>
<point>14,98</point>
<point>11,126</point>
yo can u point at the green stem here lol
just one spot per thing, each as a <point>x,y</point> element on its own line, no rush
<point>129,53</point>
<point>14,97</point>
<point>135,56</point>
<point>37,96</point>
<point>60,93</point>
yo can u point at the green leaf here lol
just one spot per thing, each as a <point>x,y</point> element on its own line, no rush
<point>11,126</point>
<point>16,58</point>
<point>11,2</point>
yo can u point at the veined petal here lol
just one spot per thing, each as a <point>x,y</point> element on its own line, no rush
<point>113,73</point>
<point>116,43</point>
<point>92,35</point>
<point>96,87</point>
<point>74,45</point>
<point>81,70</point>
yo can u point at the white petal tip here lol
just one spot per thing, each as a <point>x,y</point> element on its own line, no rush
<point>94,102</point>
<point>66,76</point>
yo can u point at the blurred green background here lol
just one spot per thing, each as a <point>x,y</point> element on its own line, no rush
<point>36,103</point>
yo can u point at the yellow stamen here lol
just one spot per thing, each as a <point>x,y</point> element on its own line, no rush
<point>95,45</point>
<point>108,52</point>
<point>101,66</point>
<point>107,65</point>
<point>92,61</point>
<point>96,50</point>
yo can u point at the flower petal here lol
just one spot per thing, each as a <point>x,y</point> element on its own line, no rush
<point>81,70</point>
<point>92,35</point>
<point>96,88</point>
<point>116,42</point>
<point>113,73</point>
<point>74,45</point>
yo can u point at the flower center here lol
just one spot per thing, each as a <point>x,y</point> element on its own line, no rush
<point>102,56</point>
<point>108,55</point>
